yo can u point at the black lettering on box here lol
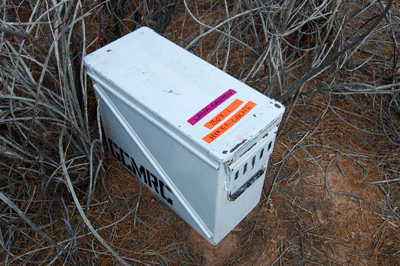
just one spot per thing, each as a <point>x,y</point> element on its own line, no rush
<point>149,178</point>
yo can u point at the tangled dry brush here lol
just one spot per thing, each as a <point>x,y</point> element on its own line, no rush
<point>333,63</point>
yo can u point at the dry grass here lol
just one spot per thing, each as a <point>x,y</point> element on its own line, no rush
<point>332,191</point>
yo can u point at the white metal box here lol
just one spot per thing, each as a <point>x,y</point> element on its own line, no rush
<point>197,137</point>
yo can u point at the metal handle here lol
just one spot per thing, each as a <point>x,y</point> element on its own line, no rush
<point>234,196</point>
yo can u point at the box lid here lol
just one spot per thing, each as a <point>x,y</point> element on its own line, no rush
<point>212,109</point>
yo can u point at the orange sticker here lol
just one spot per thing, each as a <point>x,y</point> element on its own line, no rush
<point>230,122</point>
<point>223,114</point>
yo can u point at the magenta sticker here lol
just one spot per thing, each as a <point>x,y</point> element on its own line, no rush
<point>214,104</point>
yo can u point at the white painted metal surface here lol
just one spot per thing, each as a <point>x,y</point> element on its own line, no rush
<point>197,137</point>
